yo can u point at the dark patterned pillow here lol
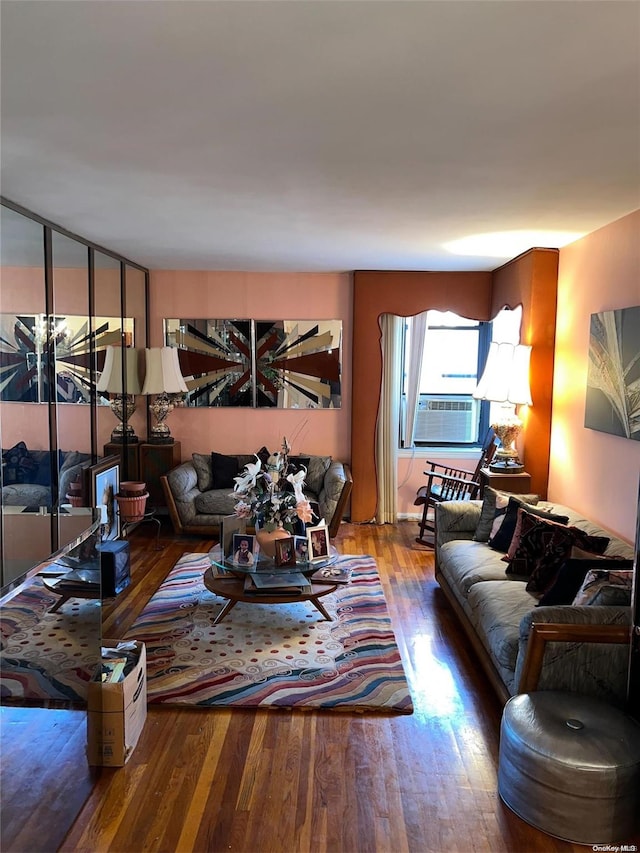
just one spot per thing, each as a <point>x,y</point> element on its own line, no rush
<point>544,546</point>
<point>488,511</point>
<point>606,587</point>
<point>503,531</point>
<point>223,470</point>
<point>17,465</point>
<point>514,545</point>
<point>573,572</point>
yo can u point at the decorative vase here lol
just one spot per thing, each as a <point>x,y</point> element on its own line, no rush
<point>267,539</point>
<point>132,508</point>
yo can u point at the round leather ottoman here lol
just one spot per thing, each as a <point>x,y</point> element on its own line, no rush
<point>570,766</point>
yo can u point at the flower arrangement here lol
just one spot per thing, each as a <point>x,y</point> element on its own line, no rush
<point>272,497</point>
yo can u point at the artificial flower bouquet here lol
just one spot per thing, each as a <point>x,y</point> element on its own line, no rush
<point>272,496</point>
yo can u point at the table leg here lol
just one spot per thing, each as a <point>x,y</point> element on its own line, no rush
<point>58,604</point>
<point>226,609</point>
<point>319,606</point>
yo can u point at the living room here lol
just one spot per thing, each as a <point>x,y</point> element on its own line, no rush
<point>595,472</point>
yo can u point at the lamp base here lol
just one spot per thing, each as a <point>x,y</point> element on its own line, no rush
<point>159,438</point>
<point>507,467</point>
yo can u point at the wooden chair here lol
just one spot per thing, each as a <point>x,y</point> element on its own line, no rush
<point>445,483</point>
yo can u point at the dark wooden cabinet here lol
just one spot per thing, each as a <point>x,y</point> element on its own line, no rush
<point>132,469</point>
<point>519,484</point>
<point>156,460</point>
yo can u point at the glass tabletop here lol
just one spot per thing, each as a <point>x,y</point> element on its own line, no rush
<point>262,563</point>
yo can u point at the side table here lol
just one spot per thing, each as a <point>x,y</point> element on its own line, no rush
<point>519,484</point>
<point>156,460</point>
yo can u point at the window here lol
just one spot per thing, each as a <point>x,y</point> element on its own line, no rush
<point>438,407</point>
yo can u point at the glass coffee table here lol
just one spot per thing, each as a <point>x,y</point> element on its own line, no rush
<point>266,583</point>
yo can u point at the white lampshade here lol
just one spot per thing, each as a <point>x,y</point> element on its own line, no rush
<point>506,375</point>
<point>111,376</point>
<point>163,372</point>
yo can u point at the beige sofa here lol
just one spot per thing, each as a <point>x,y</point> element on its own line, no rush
<point>497,611</point>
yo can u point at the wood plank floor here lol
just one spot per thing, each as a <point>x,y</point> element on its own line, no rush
<point>283,782</point>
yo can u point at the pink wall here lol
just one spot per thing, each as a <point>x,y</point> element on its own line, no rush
<point>259,296</point>
<point>593,472</point>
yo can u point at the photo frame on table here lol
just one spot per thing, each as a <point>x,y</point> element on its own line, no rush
<point>245,550</point>
<point>230,525</point>
<point>301,548</point>
<point>318,543</point>
<point>285,552</point>
<point>103,484</point>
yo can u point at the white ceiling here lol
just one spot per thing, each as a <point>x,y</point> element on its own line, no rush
<point>320,134</point>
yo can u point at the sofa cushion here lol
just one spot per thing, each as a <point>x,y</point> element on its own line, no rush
<point>464,563</point>
<point>572,573</point>
<point>488,511</point>
<point>606,587</point>
<point>506,521</point>
<point>18,466</point>
<point>216,502</point>
<point>497,608</point>
<point>317,468</point>
<point>202,464</point>
<point>223,470</point>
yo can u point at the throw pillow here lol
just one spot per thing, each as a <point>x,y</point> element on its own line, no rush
<point>318,466</point>
<point>544,546</point>
<point>223,470</point>
<point>514,545</point>
<point>573,572</point>
<point>488,511</point>
<point>606,587</point>
<point>202,464</point>
<point>506,520</point>
<point>17,465</point>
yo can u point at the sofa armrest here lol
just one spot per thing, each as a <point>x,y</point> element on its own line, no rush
<point>335,494</point>
<point>180,487</point>
<point>582,649</point>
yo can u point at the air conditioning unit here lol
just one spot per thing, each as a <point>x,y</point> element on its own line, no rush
<point>451,418</point>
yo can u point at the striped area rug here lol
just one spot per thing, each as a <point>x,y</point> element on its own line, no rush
<point>272,655</point>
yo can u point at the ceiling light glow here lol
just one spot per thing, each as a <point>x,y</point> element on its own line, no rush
<point>508,244</point>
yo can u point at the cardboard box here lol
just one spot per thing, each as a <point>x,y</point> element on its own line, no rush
<point>117,713</point>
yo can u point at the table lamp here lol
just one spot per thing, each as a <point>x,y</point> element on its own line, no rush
<point>506,380</point>
<point>122,386</point>
<point>163,377</point>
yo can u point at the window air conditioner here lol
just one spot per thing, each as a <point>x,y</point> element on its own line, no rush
<point>451,418</point>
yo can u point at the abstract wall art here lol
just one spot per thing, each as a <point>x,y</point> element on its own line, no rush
<point>286,364</point>
<point>613,378</point>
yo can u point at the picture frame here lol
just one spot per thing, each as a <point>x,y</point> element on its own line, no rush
<point>102,487</point>
<point>244,555</point>
<point>301,549</point>
<point>230,525</point>
<point>285,552</point>
<point>318,543</point>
